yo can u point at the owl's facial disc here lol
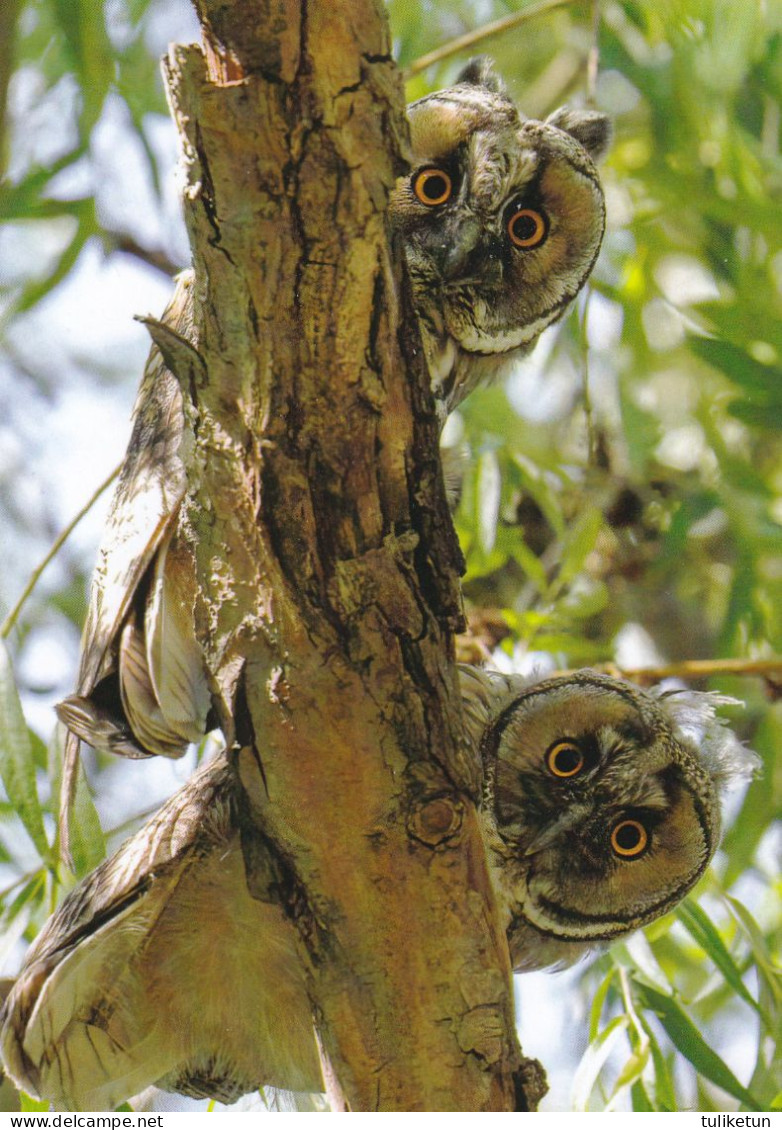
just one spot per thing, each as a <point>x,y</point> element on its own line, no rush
<point>613,875</point>
<point>605,812</point>
<point>502,219</point>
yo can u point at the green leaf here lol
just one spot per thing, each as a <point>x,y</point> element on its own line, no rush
<point>90,52</point>
<point>639,955</point>
<point>762,380</point>
<point>579,543</point>
<point>699,926</point>
<point>34,292</point>
<point>25,201</point>
<point>593,1061</point>
<point>630,1074</point>
<point>17,914</point>
<point>664,1094</point>
<point>533,567</point>
<point>685,1036</point>
<point>598,1000</point>
<point>768,969</point>
<point>88,844</point>
<point>489,489</point>
<point>640,1099</point>
<point>17,767</point>
<point>27,1103</point>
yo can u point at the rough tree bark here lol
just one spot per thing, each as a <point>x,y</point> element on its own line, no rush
<point>327,565</point>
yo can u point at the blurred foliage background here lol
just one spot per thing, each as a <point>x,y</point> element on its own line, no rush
<point>623,500</point>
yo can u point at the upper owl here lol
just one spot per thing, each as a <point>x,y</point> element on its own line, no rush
<point>502,219</point>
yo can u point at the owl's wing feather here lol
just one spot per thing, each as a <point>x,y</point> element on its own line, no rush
<point>51,1041</point>
<point>483,693</point>
<point>160,968</point>
<point>140,525</point>
<point>174,657</point>
<point>149,491</point>
<point>74,1055</point>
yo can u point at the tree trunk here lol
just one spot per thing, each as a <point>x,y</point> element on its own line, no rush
<point>326,559</point>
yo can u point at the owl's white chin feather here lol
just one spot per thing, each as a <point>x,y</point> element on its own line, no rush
<point>532,949</point>
<point>485,339</point>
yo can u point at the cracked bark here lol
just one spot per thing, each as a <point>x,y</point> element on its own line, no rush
<point>326,559</point>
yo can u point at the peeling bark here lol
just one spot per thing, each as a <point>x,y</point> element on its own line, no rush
<point>326,559</point>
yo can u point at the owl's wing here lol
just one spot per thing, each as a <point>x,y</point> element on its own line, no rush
<point>151,486</point>
<point>142,688</point>
<point>160,968</point>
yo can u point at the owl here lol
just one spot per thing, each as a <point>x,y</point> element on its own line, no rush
<point>601,804</point>
<point>600,810</point>
<point>501,220</point>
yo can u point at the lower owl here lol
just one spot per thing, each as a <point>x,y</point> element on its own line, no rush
<point>600,810</point>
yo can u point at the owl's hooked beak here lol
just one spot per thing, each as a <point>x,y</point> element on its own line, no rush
<point>457,252</point>
<point>550,834</point>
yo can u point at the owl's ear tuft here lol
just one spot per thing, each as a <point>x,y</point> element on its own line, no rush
<point>694,715</point>
<point>589,127</point>
<point>480,72</point>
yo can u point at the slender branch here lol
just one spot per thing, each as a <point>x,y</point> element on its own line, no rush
<point>693,669</point>
<point>471,38</point>
<point>593,59</point>
<point>8,624</point>
<point>153,257</point>
<point>9,12</point>
<point>589,421</point>
<point>487,627</point>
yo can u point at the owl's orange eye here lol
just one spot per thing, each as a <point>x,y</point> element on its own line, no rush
<point>629,838</point>
<point>432,187</point>
<point>526,228</point>
<point>565,759</point>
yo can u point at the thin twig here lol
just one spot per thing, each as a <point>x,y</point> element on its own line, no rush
<point>118,241</point>
<point>585,388</point>
<point>691,669</point>
<point>20,879</point>
<point>593,59</point>
<point>8,624</point>
<point>471,38</point>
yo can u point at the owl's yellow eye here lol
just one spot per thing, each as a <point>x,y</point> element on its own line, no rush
<point>432,186</point>
<point>565,759</point>
<point>629,838</point>
<point>526,228</point>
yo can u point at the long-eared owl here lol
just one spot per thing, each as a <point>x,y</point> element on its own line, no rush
<point>502,218</point>
<point>601,809</point>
